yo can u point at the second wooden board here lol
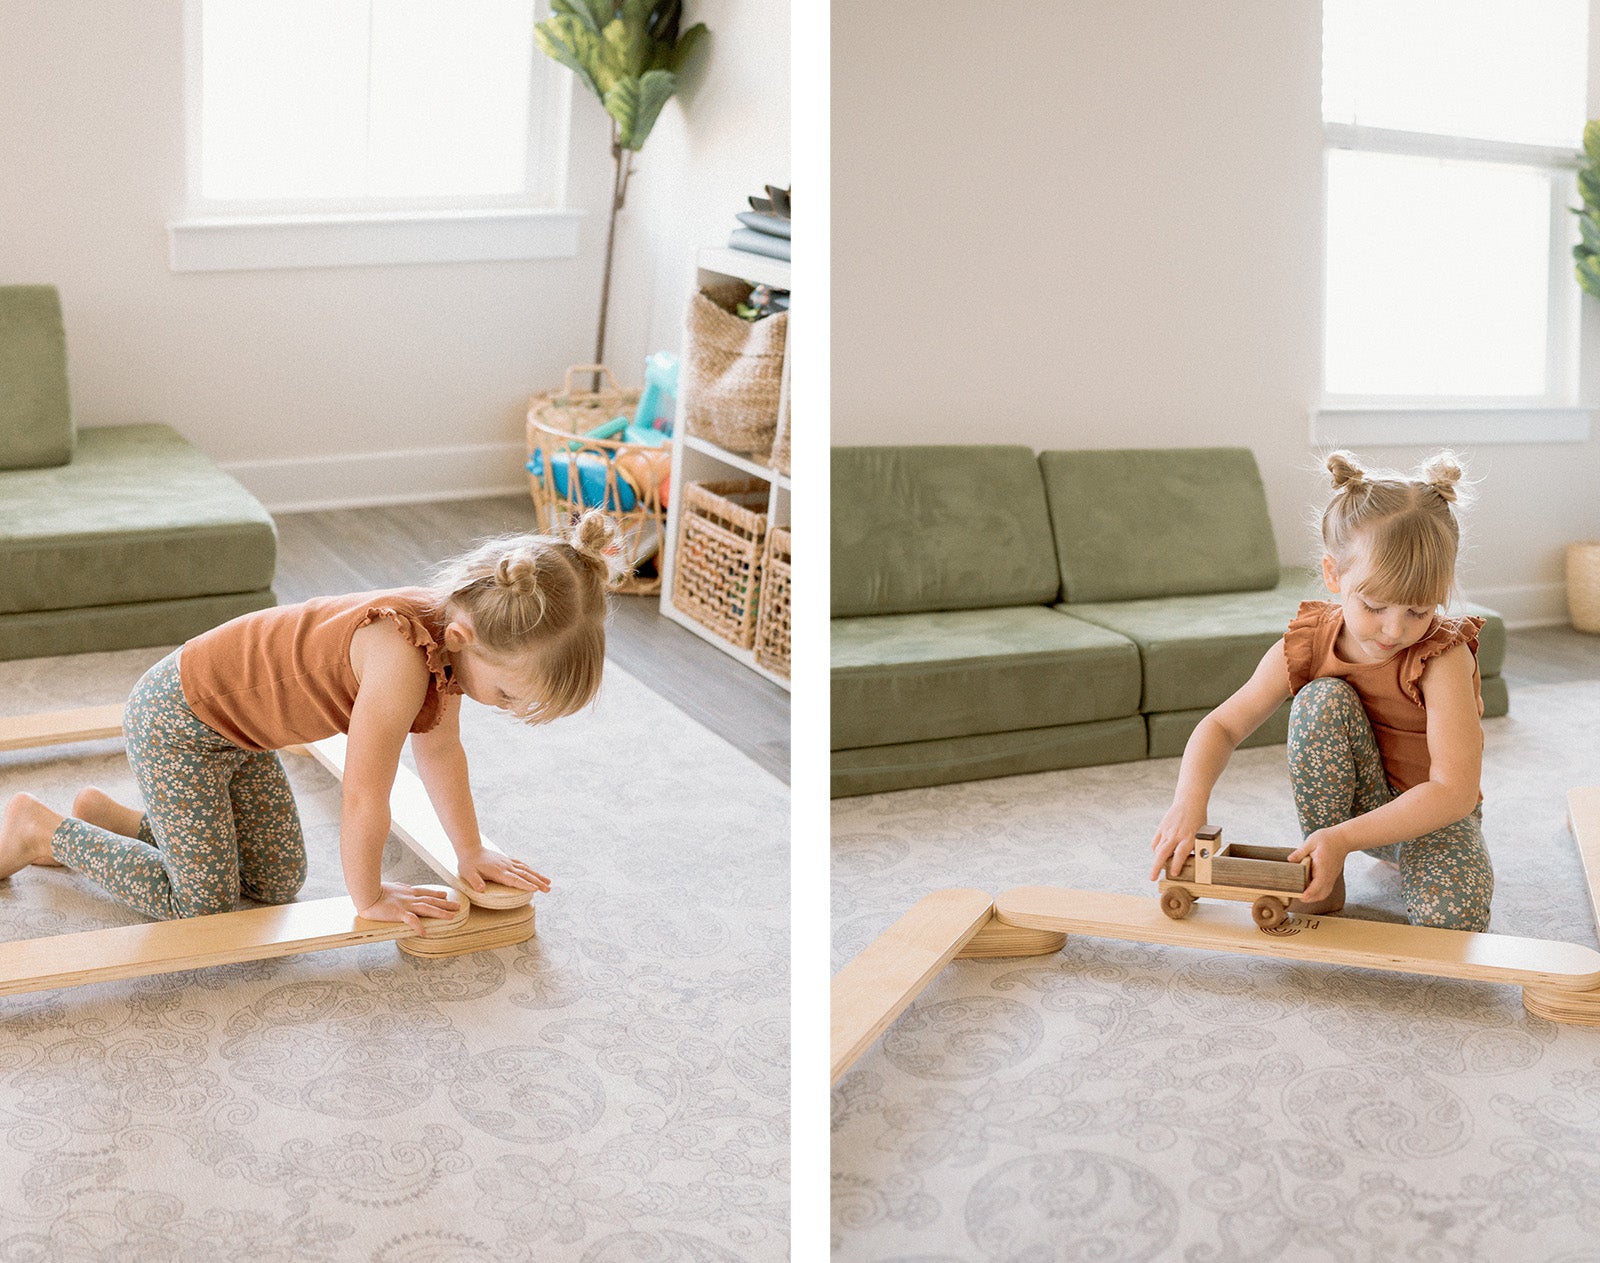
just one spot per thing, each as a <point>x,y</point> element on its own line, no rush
<point>1333,940</point>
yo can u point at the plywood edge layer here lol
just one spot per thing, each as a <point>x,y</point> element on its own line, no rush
<point>133,951</point>
<point>1583,808</point>
<point>94,723</point>
<point>879,984</point>
<point>1332,940</point>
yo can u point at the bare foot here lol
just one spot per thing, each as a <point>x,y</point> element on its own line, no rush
<point>25,831</point>
<point>98,808</point>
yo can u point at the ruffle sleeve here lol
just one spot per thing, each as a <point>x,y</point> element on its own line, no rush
<point>418,634</point>
<point>1300,642</point>
<point>1447,635</point>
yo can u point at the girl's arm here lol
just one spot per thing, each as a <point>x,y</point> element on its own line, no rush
<point>442,765</point>
<point>393,680</point>
<point>1212,743</point>
<point>1455,763</point>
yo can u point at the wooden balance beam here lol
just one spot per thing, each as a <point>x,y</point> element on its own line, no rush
<point>498,916</point>
<point>1559,981</point>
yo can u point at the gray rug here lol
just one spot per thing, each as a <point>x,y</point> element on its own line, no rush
<point>1120,1101</point>
<point>614,1090</point>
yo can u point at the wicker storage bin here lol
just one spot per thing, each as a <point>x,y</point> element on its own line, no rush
<point>1583,585</point>
<point>732,374</point>
<point>569,474</point>
<point>772,624</point>
<point>717,566</point>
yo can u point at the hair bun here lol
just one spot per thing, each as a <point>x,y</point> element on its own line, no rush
<point>591,535</point>
<point>518,571</point>
<point>1344,470</point>
<point>1442,472</point>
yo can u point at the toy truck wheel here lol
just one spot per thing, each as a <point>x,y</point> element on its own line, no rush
<point>1269,912</point>
<point>1176,902</point>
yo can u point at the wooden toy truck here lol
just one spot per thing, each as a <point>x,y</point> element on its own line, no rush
<point>1261,876</point>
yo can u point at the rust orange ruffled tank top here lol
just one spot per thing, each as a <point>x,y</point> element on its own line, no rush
<point>282,677</point>
<point>1389,690</point>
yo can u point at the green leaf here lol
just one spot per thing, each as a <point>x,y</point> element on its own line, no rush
<point>664,19</point>
<point>566,39</point>
<point>1589,276</point>
<point>675,57</point>
<point>593,14</point>
<point>1581,252</point>
<point>635,104</point>
<point>1589,227</point>
<point>1589,186</point>
<point>1591,140</point>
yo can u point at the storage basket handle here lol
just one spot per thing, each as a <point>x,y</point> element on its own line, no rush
<point>566,386</point>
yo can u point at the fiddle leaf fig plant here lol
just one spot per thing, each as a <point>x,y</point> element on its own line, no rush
<point>1587,253</point>
<point>628,53</point>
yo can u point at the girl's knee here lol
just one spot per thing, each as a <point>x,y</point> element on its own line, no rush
<point>1471,916</point>
<point>1322,693</point>
<point>200,904</point>
<point>279,886</point>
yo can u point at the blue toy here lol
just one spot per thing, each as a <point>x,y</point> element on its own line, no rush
<point>660,374</point>
<point>591,480</point>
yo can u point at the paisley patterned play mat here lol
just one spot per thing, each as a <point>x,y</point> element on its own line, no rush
<point>1126,1102</point>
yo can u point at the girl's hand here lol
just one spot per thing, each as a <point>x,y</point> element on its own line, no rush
<point>1327,852</point>
<point>1174,838</point>
<point>488,866</point>
<point>410,904</point>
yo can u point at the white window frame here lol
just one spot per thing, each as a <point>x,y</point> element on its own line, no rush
<point>1557,416</point>
<point>213,235</point>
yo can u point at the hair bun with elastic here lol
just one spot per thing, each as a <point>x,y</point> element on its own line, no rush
<point>591,535</point>
<point>1345,471</point>
<point>1442,472</point>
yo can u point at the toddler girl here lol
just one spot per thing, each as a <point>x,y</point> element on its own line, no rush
<point>518,623</point>
<point>1385,738</point>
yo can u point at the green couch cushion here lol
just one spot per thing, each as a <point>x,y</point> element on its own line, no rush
<point>939,528</point>
<point>1149,523</point>
<point>138,515</point>
<point>879,769</point>
<point>46,633</point>
<point>35,408</point>
<point>1196,650</point>
<point>919,677</point>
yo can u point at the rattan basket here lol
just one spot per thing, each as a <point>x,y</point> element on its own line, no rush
<point>772,623</point>
<point>628,480</point>
<point>1583,585</point>
<point>717,565</point>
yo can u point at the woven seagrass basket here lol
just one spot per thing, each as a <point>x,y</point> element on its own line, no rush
<point>716,569</point>
<point>575,473</point>
<point>1583,585</point>
<point>772,623</point>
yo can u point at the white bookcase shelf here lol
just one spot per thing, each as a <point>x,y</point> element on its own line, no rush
<point>696,459</point>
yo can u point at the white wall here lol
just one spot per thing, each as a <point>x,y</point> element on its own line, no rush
<point>308,383</point>
<point>1088,224</point>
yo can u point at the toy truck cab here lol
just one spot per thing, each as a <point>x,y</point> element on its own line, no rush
<point>1261,876</point>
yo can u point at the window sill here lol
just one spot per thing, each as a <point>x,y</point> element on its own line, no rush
<point>1408,427</point>
<point>365,240</point>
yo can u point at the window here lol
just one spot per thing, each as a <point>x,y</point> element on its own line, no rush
<point>363,131</point>
<point>1451,132</point>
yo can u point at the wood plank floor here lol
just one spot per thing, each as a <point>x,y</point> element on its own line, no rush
<point>351,550</point>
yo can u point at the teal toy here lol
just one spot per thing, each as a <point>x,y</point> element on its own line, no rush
<point>660,376</point>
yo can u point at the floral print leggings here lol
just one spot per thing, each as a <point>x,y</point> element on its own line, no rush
<point>219,822</point>
<point>1338,774</point>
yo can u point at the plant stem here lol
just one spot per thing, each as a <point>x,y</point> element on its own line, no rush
<point>623,160</point>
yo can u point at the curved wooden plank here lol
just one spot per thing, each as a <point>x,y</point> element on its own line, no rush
<point>878,985</point>
<point>159,947</point>
<point>414,822</point>
<point>1333,940</point>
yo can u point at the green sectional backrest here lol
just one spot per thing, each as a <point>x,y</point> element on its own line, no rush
<point>35,408</point>
<point>1144,523</point>
<point>939,528</point>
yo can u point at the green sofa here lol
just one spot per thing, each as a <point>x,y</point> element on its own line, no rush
<point>110,538</point>
<point>997,612</point>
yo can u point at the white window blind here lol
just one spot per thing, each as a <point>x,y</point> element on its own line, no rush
<point>1451,133</point>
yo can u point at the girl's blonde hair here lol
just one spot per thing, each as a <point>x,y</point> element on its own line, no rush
<point>538,604</point>
<point>1402,530</point>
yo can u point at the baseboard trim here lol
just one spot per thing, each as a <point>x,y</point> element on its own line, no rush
<point>1526,604</point>
<point>405,476</point>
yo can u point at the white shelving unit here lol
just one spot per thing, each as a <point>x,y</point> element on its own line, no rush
<point>695,459</point>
